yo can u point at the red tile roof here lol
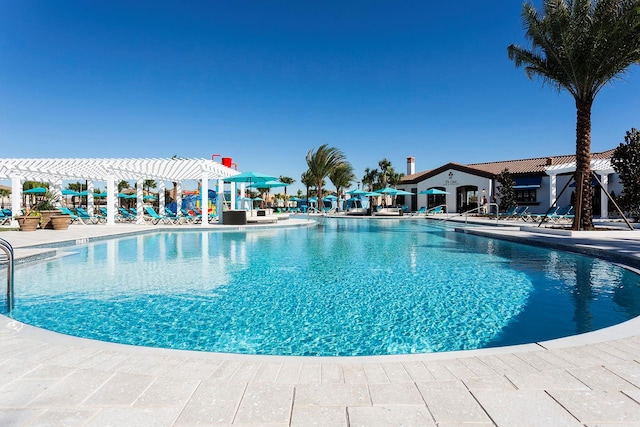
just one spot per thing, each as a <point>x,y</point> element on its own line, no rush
<point>535,166</point>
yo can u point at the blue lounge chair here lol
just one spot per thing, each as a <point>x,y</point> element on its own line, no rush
<point>435,210</point>
<point>421,211</point>
<point>563,214</point>
<point>125,215</point>
<point>191,217</point>
<point>75,219</point>
<point>509,213</point>
<point>542,217</point>
<point>4,219</point>
<point>86,217</point>
<point>155,218</point>
<point>173,217</point>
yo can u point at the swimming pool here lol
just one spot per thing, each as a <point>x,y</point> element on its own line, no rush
<point>347,288</point>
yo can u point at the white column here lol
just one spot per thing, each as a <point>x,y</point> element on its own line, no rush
<point>553,189</point>
<point>232,189</point>
<point>90,207</point>
<point>57,192</point>
<point>139,202</point>
<point>16,199</point>
<point>243,189</point>
<point>178,197</point>
<point>604,200</point>
<point>161,202</point>
<point>204,196</point>
<point>111,199</point>
<point>220,203</point>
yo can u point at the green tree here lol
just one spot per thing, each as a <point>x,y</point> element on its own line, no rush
<point>579,46</point>
<point>385,170</point>
<point>626,163</point>
<point>122,185</point>
<point>321,162</point>
<point>370,178</point>
<point>506,190</point>
<point>307,179</point>
<point>148,184</point>
<point>342,177</point>
<point>286,180</point>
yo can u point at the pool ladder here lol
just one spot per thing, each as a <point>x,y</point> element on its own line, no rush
<point>8,249</point>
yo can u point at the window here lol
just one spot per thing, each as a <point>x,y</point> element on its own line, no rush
<point>526,196</point>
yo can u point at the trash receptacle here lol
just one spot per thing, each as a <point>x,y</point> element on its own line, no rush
<point>237,217</point>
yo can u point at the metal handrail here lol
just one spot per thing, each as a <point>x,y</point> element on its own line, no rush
<point>477,209</point>
<point>8,249</point>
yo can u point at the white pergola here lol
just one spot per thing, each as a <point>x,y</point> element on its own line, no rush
<point>602,166</point>
<point>111,171</point>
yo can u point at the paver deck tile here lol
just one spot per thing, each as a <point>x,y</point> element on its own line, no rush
<point>417,371</point>
<point>395,394</point>
<point>167,392</point>
<point>134,417</point>
<point>396,373</point>
<point>267,372</point>
<point>598,406</point>
<point>265,404</point>
<point>19,393</point>
<point>354,374</point>
<point>72,390</point>
<point>332,373</point>
<point>548,380</point>
<point>212,403</point>
<point>310,373</point>
<point>290,373</point>
<point>397,416</point>
<point>630,371</point>
<point>600,378</point>
<point>450,401</point>
<point>121,389</point>
<point>63,417</point>
<point>493,382</point>
<point>524,408</point>
<point>375,373</point>
<point>332,395</point>
<point>319,416</point>
<point>439,371</point>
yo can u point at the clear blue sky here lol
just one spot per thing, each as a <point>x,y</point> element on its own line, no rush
<point>264,82</point>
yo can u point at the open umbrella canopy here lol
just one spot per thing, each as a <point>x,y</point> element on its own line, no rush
<point>433,191</point>
<point>357,192</point>
<point>250,177</point>
<point>387,190</point>
<point>149,197</point>
<point>269,184</point>
<point>403,193</point>
<point>67,192</point>
<point>37,190</point>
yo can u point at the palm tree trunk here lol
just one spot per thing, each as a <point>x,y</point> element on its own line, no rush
<point>583,219</point>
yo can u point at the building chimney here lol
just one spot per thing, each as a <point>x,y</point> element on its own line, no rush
<point>411,165</point>
<point>549,161</point>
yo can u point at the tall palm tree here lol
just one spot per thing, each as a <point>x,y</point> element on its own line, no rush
<point>369,178</point>
<point>307,179</point>
<point>286,180</point>
<point>342,177</point>
<point>148,184</point>
<point>385,169</point>
<point>579,46</point>
<point>122,185</point>
<point>321,162</point>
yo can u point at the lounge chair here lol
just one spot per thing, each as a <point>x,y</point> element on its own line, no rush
<point>563,214</point>
<point>434,211</point>
<point>173,217</point>
<point>421,211</point>
<point>542,217</point>
<point>508,214</point>
<point>191,216</point>
<point>521,213</point>
<point>125,215</point>
<point>4,219</point>
<point>93,219</point>
<point>155,218</point>
<point>75,219</point>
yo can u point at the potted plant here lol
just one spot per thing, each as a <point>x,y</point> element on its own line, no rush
<point>29,221</point>
<point>47,208</point>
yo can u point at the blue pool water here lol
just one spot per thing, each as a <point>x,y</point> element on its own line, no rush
<point>350,287</point>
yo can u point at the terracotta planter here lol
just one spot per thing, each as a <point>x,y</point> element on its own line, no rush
<point>46,218</point>
<point>59,222</point>
<point>28,223</point>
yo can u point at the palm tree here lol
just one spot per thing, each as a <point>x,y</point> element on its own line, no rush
<point>321,162</point>
<point>286,180</point>
<point>307,179</point>
<point>148,184</point>
<point>385,169</point>
<point>122,185</point>
<point>579,46</point>
<point>369,178</point>
<point>342,177</point>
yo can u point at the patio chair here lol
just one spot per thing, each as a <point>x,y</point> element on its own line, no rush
<point>75,219</point>
<point>521,213</point>
<point>155,218</point>
<point>125,215</point>
<point>542,217</point>
<point>190,216</point>
<point>93,219</point>
<point>4,219</point>
<point>508,214</point>
<point>421,211</point>
<point>173,217</point>
<point>434,211</point>
<point>563,214</point>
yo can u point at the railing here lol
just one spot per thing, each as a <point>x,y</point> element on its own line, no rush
<point>487,206</point>
<point>8,249</point>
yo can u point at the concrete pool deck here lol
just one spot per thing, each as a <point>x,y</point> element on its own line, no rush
<point>587,380</point>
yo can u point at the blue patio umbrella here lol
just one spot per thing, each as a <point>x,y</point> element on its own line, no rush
<point>251,178</point>
<point>68,192</point>
<point>430,192</point>
<point>37,190</point>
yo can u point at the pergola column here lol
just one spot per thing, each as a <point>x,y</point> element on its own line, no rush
<point>220,201</point>
<point>553,189</point>
<point>57,192</point>
<point>139,201</point>
<point>604,200</point>
<point>90,208</point>
<point>204,196</point>
<point>111,199</point>
<point>161,201</point>
<point>16,199</point>
<point>232,201</point>
<point>178,197</point>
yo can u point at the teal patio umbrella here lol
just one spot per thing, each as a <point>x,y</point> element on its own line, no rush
<point>251,178</point>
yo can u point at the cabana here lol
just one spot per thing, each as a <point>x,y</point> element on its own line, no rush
<point>111,171</point>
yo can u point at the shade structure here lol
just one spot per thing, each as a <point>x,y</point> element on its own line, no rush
<point>387,190</point>
<point>269,184</point>
<point>67,192</point>
<point>251,177</point>
<point>433,191</point>
<point>403,193</point>
<point>149,197</point>
<point>37,190</point>
<point>357,192</point>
